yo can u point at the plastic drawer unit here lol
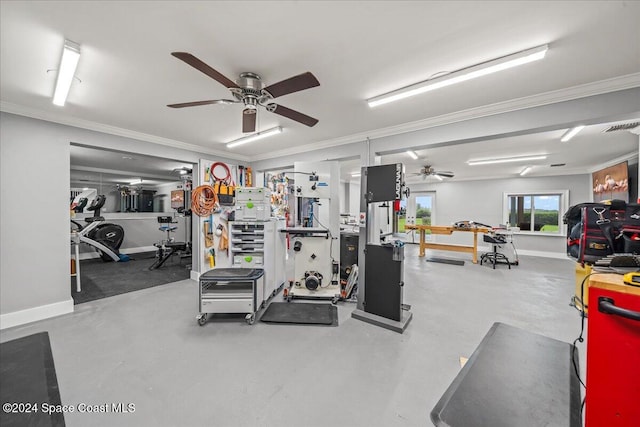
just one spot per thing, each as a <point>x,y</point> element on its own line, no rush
<point>231,290</point>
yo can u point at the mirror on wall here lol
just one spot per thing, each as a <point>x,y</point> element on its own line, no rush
<point>132,183</point>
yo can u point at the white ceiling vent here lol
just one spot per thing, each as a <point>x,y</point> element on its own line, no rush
<point>623,126</point>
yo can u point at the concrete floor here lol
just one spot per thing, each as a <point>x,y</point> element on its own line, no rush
<point>146,348</point>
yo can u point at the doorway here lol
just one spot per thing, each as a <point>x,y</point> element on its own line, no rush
<point>418,209</point>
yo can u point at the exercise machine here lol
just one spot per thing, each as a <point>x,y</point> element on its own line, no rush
<point>168,246</point>
<point>381,272</point>
<point>105,237</point>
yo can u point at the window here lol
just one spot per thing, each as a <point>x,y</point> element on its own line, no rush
<point>536,212</point>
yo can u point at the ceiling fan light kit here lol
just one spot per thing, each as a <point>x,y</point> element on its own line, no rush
<point>66,72</point>
<point>254,137</point>
<point>250,91</point>
<point>505,160</point>
<point>489,67</point>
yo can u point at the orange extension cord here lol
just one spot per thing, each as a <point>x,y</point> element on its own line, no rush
<point>203,200</point>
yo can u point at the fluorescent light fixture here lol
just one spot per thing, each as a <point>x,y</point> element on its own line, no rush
<point>462,75</point>
<point>413,154</point>
<point>254,137</point>
<point>85,188</point>
<point>439,178</point>
<point>136,181</point>
<point>355,174</point>
<point>504,160</point>
<point>68,64</point>
<point>571,133</point>
<point>526,170</point>
<point>183,172</point>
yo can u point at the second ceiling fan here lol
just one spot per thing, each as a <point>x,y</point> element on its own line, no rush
<point>428,170</point>
<point>250,91</point>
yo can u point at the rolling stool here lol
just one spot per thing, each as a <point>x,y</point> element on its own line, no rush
<point>495,257</point>
<point>167,247</point>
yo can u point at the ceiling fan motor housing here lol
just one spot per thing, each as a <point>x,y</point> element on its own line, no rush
<point>250,92</point>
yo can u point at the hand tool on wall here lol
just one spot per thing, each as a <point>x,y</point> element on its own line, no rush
<point>223,244</point>
<point>208,233</point>
<point>212,258</point>
<point>248,180</point>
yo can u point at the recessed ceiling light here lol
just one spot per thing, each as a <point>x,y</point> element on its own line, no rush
<point>525,171</point>
<point>571,133</point>
<point>127,158</point>
<point>504,160</point>
<point>254,137</point>
<point>66,72</point>
<point>413,154</point>
<point>462,75</point>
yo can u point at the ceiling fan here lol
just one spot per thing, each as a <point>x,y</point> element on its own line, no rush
<point>250,90</point>
<point>428,170</point>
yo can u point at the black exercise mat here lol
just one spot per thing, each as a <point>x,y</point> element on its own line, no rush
<point>301,313</point>
<point>28,375</point>
<point>446,261</point>
<point>101,279</point>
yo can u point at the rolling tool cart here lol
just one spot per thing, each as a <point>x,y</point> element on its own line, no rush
<point>231,290</point>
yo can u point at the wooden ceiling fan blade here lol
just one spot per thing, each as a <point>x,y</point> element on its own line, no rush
<point>445,174</point>
<point>248,120</point>
<point>292,114</point>
<point>293,84</point>
<point>198,103</point>
<point>204,68</point>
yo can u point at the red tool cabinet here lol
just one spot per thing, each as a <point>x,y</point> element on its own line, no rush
<point>613,353</point>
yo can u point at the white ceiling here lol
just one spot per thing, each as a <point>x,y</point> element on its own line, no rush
<point>356,50</point>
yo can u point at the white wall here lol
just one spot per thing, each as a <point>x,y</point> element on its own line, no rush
<point>34,260</point>
<point>482,200</point>
<point>35,247</point>
<point>354,198</point>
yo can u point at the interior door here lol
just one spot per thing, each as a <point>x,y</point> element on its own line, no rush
<point>418,209</point>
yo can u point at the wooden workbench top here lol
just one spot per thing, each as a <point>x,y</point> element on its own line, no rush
<point>445,229</point>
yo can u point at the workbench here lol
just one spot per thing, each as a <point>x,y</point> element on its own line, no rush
<point>514,378</point>
<point>447,230</point>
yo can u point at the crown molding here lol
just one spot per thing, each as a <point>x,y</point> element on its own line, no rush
<point>626,157</point>
<point>575,92</point>
<point>628,81</point>
<point>62,119</point>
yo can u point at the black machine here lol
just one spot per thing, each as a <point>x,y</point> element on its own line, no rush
<point>82,203</point>
<point>169,247</point>
<point>380,290</point>
<point>105,237</point>
<point>597,230</point>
